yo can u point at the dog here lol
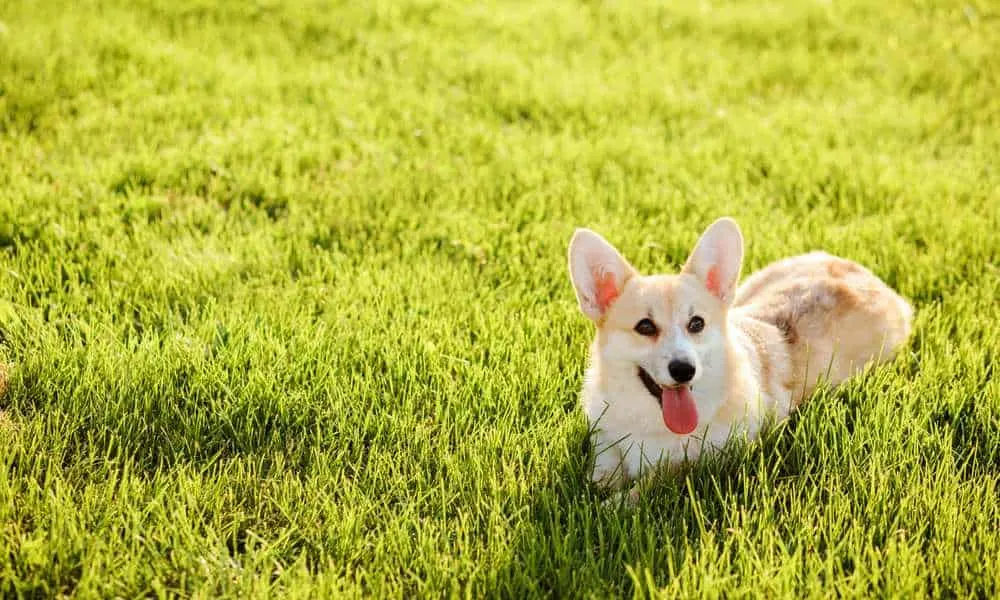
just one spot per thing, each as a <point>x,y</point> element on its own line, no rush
<point>680,364</point>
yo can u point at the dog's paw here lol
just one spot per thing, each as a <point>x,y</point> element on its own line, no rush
<point>608,472</point>
<point>606,477</point>
<point>625,498</point>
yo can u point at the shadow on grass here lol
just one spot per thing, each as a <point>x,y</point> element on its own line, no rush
<point>972,428</point>
<point>575,540</point>
<point>769,492</point>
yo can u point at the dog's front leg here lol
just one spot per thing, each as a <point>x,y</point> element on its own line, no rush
<point>609,470</point>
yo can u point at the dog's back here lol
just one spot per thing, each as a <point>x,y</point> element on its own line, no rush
<point>835,315</point>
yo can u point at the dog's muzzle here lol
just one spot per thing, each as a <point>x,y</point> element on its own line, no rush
<point>651,386</point>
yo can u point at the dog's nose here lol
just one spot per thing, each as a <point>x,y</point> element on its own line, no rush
<point>681,370</point>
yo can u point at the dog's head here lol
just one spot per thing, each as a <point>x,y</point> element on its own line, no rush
<point>668,331</point>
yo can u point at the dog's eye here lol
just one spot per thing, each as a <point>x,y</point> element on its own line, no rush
<point>646,327</point>
<point>696,324</point>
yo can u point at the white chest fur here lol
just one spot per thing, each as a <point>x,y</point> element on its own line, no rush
<point>628,433</point>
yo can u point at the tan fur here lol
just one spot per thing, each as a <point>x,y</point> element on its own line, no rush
<point>764,348</point>
<point>835,315</point>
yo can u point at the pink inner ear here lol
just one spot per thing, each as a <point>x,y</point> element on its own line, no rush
<point>712,281</point>
<point>607,291</point>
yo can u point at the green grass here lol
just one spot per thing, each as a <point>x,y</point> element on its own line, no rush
<point>285,310</point>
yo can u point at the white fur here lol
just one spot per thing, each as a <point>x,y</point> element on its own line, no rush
<point>743,363</point>
<point>629,436</point>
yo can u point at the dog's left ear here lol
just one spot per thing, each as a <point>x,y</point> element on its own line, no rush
<point>717,259</point>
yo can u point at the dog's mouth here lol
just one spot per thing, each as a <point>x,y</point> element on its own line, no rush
<point>680,414</point>
<point>652,387</point>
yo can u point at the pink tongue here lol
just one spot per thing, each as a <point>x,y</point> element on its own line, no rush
<point>680,414</point>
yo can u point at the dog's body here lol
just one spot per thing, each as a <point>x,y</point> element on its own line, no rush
<point>681,363</point>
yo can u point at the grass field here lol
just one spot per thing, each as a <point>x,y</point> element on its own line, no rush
<point>285,311</point>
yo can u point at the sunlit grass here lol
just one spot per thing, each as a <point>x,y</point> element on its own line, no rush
<point>285,307</point>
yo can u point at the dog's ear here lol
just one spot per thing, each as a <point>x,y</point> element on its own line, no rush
<point>598,272</point>
<point>717,259</point>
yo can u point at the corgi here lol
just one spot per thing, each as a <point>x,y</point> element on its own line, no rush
<point>681,363</point>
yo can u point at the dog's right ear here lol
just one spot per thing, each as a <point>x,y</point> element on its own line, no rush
<point>717,259</point>
<point>598,271</point>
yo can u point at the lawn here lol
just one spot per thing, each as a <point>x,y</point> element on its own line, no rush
<point>285,311</point>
